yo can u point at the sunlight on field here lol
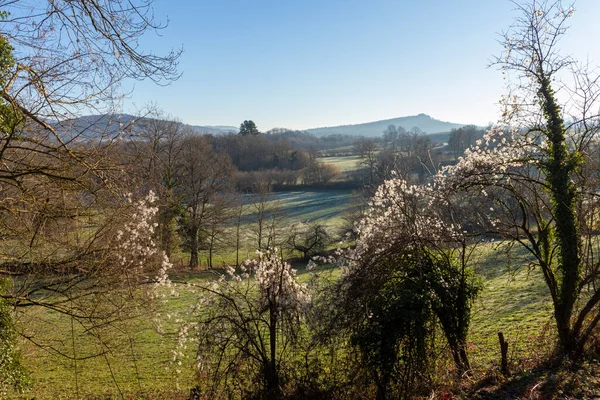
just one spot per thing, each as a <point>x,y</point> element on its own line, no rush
<point>514,300</point>
<point>345,163</point>
<point>327,207</point>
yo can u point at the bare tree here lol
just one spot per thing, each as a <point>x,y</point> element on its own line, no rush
<point>71,56</point>
<point>218,227</point>
<point>260,204</point>
<point>62,198</point>
<point>239,209</point>
<point>309,239</point>
<point>204,177</point>
<point>152,151</point>
<point>318,173</point>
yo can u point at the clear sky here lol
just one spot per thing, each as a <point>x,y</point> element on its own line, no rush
<point>308,63</point>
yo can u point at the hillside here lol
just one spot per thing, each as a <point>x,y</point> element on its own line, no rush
<point>93,126</point>
<point>373,129</point>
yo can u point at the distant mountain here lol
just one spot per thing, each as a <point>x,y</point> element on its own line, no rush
<point>109,126</point>
<point>372,129</point>
<point>215,129</point>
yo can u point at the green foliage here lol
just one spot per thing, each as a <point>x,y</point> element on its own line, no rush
<point>423,290</point>
<point>9,119</point>
<point>513,300</point>
<point>395,336</point>
<point>248,127</point>
<point>453,289</point>
<point>12,372</point>
<point>7,60</point>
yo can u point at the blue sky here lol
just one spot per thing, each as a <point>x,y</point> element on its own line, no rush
<point>308,63</point>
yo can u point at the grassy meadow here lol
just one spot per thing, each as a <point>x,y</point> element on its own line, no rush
<point>327,207</point>
<point>136,358</point>
<point>344,163</point>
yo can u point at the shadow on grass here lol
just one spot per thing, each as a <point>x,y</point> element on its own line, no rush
<point>547,381</point>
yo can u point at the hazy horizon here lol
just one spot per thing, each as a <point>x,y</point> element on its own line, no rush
<point>307,64</point>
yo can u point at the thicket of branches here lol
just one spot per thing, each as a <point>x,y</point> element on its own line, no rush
<point>73,237</point>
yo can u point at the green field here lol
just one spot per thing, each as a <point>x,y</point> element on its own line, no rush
<point>327,207</point>
<point>345,163</point>
<point>515,300</point>
<point>139,364</point>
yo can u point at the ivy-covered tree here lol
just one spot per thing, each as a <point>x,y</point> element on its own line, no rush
<point>411,270</point>
<point>536,170</point>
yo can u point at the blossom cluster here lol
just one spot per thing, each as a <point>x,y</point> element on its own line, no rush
<point>277,282</point>
<point>135,247</point>
<point>494,158</point>
<point>403,214</point>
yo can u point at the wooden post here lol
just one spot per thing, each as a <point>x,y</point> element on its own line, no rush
<point>504,354</point>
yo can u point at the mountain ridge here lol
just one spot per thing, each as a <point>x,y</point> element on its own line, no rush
<point>424,122</point>
<point>113,124</point>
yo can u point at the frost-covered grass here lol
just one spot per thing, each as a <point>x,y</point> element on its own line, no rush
<point>514,300</point>
<point>323,206</point>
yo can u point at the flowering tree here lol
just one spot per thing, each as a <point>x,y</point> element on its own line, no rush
<point>107,266</point>
<point>538,172</point>
<point>409,271</point>
<point>61,196</point>
<point>247,324</point>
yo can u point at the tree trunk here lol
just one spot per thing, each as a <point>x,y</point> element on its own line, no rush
<point>382,390</point>
<point>272,375</point>
<point>237,241</point>
<point>193,248</point>
<point>460,357</point>
<point>260,233</point>
<point>561,167</point>
<point>210,251</point>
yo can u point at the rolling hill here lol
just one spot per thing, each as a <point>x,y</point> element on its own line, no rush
<point>93,126</point>
<point>424,122</point>
<point>109,126</point>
